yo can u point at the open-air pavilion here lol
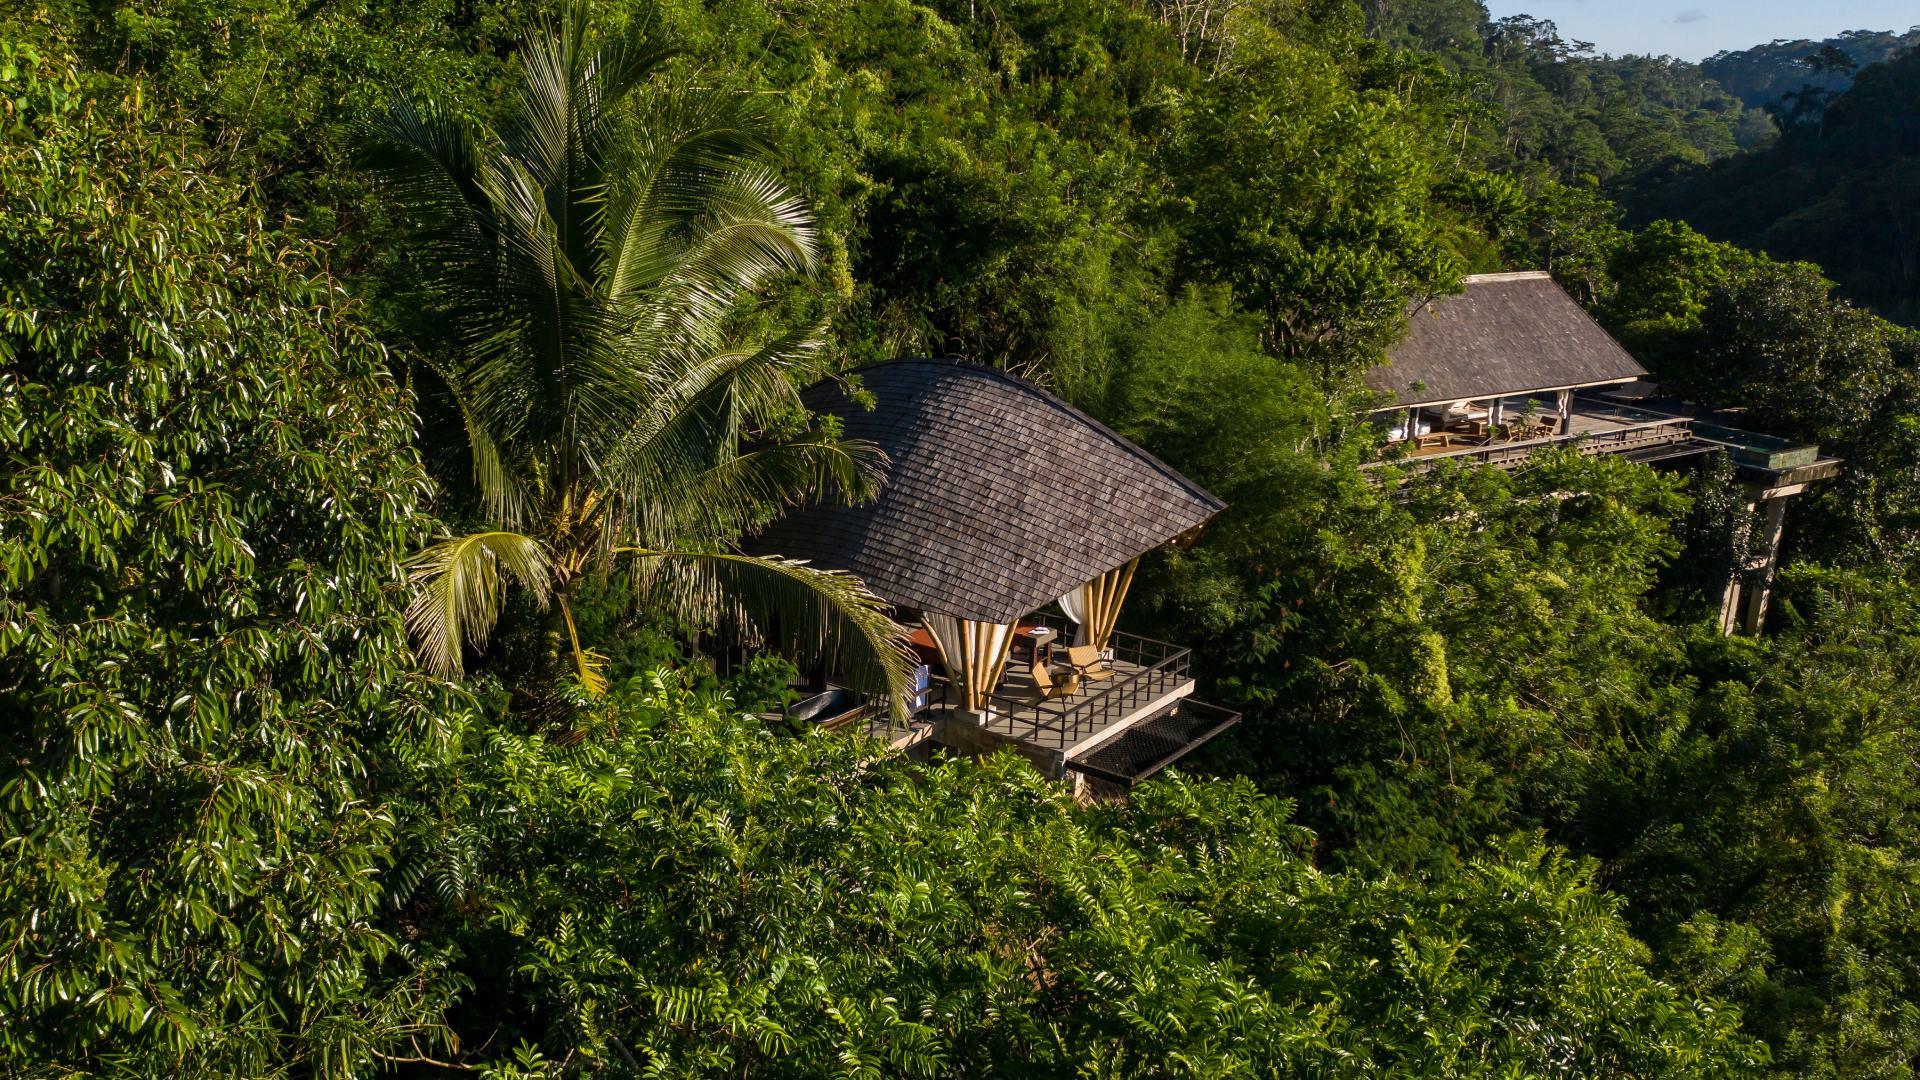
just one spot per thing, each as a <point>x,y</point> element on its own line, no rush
<point>1007,532</point>
<point>1501,363</point>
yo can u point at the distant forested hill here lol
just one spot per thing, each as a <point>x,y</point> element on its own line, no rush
<point>1842,191</point>
<point>1766,74</point>
<point>1552,102</point>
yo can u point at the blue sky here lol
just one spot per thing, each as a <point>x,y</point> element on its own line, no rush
<point>1692,29</point>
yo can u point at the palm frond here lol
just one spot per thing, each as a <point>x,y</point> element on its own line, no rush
<point>617,70</point>
<point>736,494</point>
<point>461,585</point>
<point>502,482</point>
<point>754,227</point>
<point>699,407</point>
<point>812,615</point>
<point>688,151</point>
<point>588,664</point>
<point>435,162</point>
<point>454,178</point>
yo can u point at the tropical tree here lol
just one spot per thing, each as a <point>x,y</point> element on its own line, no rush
<point>207,489</point>
<point>685,893</point>
<point>594,253</point>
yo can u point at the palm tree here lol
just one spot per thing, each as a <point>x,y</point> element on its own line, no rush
<point>593,253</point>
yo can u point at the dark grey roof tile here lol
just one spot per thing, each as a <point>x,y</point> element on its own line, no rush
<point>999,496</point>
<point>1506,334</point>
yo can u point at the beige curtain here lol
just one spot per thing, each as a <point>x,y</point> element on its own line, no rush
<point>1104,595</point>
<point>974,654</point>
<point>1075,605</point>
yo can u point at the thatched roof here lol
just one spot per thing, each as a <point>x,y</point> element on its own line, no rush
<point>999,496</point>
<point>1506,334</point>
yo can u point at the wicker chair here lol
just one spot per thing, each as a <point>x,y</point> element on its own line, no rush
<point>1047,689</point>
<point>1086,661</point>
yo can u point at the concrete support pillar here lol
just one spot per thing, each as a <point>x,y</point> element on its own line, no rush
<point>1566,412</point>
<point>1743,609</point>
<point>1760,589</point>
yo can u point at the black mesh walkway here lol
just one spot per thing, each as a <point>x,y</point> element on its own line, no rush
<point>1154,744</point>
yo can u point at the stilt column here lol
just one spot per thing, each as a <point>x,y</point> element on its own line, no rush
<point>1743,609</point>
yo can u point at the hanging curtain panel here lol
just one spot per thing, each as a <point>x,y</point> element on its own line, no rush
<point>1104,595</point>
<point>974,654</point>
<point>1075,605</point>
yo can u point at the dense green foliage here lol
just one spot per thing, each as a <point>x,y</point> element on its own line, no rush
<point>1433,668</point>
<point>1544,102</point>
<point>1506,804</point>
<point>1733,330</point>
<point>685,893</point>
<point>207,486</point>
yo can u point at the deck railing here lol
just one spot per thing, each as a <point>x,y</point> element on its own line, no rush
<point>1152,669</point>
<point>1647,429</point>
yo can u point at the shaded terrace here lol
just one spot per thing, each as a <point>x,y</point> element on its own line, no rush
<point>1000,501</point>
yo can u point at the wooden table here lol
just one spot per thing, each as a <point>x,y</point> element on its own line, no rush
<point>1037,637</point>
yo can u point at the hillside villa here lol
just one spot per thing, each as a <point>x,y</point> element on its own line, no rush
<point>1007,534</point>
<point>1513,365</point>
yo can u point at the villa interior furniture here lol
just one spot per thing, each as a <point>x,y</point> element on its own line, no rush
<point>1034,641</point>
<point>1087,663</point>
<point>1047,688</point>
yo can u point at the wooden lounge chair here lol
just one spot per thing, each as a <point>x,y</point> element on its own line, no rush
<point>1047,689</point>
<point>1086,661</point>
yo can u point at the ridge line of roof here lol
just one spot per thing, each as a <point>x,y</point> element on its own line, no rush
<point>1056,401</point>
<point>1508,275</point>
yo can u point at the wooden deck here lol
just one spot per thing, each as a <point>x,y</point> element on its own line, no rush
<point>1062,726</point>
<point>1596,427</point>
<point>1098,711</point>
<point>1148,678</point>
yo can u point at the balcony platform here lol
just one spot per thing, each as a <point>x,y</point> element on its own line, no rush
<point>1099,711</point>
<point>1149,679</point>
<point>1596,427</point>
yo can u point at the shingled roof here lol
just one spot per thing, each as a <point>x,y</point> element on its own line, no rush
<point>1506,334</point>
<point>999,496</point>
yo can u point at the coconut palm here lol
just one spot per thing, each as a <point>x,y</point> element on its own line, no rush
<point>593,253</point>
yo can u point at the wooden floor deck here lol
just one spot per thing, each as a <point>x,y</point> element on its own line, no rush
<point>1600,429</point>
<point>1098,710</point>
<point>1147,677</point>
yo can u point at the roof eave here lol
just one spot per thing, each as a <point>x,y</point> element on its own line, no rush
<point>1424,402</point>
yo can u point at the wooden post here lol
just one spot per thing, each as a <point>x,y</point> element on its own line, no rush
<point>1497,413</point>
<point>1566,412</point>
